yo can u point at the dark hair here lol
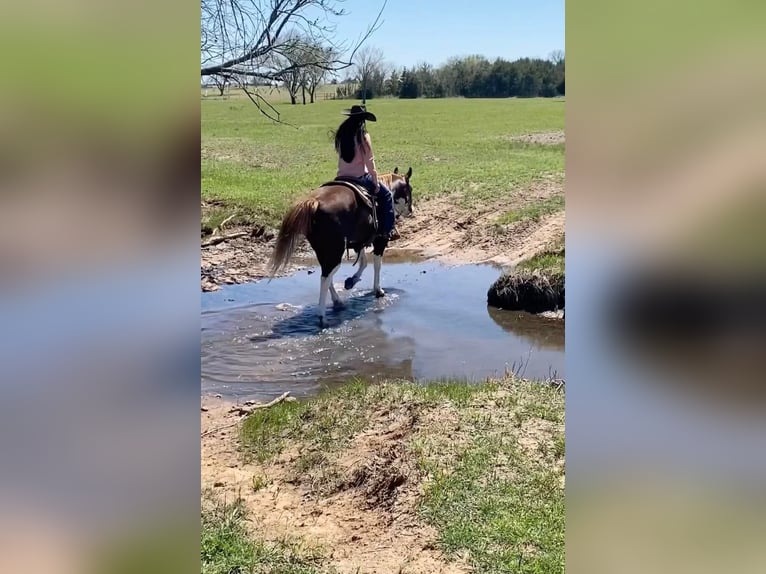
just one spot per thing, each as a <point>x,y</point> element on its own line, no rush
<point>348,134</point>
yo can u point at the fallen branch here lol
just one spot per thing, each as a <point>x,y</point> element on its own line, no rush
<point>219,227</point>
<point>247,409</point>
<point>222,238</point>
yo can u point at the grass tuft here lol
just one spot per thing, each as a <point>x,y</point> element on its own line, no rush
<point>227,546</point>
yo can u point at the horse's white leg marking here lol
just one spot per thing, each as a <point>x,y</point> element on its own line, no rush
<point>336,300</point>
<point>362,265</point>
<point>324,287</point>
<point>322,298</point>
<point>377,260</point>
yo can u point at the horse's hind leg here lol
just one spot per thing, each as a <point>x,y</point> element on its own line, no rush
<point>325,286</point>
<point>330,257</point>
<point>354,279</point>
<point>378,247</point>
<point>336,300</point>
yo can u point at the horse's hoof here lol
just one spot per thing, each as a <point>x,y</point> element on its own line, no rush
<point>350,282</point>
<point>322,323</point>
<point>380,293</point>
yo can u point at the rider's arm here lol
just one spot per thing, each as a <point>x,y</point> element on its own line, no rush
<point>369,159</point>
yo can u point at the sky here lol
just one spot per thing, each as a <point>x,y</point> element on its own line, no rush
<point>433,31</point>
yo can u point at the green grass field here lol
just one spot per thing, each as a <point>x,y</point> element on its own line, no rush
<point>455,145</point>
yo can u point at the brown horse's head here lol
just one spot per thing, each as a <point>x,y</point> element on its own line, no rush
<point>402,192</point>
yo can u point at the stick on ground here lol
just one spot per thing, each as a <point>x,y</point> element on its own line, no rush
<point>222,238</point>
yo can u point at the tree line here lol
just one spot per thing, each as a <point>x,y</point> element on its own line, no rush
<point>470,76</point>
<point>303,63</point>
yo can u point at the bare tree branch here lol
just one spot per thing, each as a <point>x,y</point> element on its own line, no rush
<point>251,38</point>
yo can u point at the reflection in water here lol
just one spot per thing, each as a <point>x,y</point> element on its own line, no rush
<point>538,330</point>
<point>261,339</point>
<point>305,322</point>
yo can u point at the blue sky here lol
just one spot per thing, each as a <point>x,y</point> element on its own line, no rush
<point>434,30</point>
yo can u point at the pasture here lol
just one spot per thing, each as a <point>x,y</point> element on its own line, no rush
<point>471,150</point>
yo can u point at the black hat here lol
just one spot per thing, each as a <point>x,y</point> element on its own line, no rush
<point>357,110</point>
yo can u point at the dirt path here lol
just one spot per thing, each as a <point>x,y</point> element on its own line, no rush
<point>461,235</point>
<point>384,537</point>
<point>441,227</point>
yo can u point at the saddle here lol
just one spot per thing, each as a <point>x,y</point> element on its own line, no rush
<point>362,195</point>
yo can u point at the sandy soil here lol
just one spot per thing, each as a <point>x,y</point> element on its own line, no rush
<point>440,228</point>
<point>370,524</point>
<point>470,235</point>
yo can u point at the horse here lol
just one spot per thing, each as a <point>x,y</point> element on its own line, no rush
<point>336,217</point>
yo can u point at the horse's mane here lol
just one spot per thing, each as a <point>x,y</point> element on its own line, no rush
<point>390,178</point>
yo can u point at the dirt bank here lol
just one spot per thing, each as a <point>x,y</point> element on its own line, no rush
<point>455,231</point>
<point>351,474</point>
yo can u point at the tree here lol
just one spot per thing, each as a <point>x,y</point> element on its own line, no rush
<point>250,38</point>
<point>424,74</point>
<point>557,57</point>
<point>315,74</point>
<point>408,87</point>
<point>221,82</point>
<point>290,60</point>
<point>392,83</point>
<point>368,63</point>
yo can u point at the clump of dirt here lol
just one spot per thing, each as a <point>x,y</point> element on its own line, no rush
<point>528,291</point>
<point>377,464</point>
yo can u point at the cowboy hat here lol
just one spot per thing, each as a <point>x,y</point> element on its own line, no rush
<point>357,110</point>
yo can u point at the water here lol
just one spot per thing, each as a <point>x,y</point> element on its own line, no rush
<point>261,339</point>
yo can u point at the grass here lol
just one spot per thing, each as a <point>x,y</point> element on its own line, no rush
<point>227,546</point>
<point>489,459</point>
<point>502,504</point>
<point>454,145</point>
<point>330,420</point>
<point>547,262</point>
<point>534,212</point>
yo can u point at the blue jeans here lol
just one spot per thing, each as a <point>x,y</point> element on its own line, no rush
<point>386,216</point>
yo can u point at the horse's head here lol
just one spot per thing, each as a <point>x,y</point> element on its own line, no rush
<point>402,192</point>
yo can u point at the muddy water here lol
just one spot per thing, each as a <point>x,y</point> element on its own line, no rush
<point>260,339</point>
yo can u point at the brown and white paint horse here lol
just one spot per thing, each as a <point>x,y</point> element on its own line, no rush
<point>332,219</point>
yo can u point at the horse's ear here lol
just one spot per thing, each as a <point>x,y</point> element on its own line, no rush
<point>396,169</point>
<point>409,173</point>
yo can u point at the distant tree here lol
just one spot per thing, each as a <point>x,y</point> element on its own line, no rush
<point>424,74</point>
<point>391,87</point>
<point>408,86</point>
<point>316,73</point>
<point>557,57</point>
<point>221,82</point>
<point>368,64</point>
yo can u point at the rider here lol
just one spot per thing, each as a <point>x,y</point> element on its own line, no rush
<point>356,160</point>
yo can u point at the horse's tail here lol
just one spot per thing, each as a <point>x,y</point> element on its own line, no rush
<point>297,222</point>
